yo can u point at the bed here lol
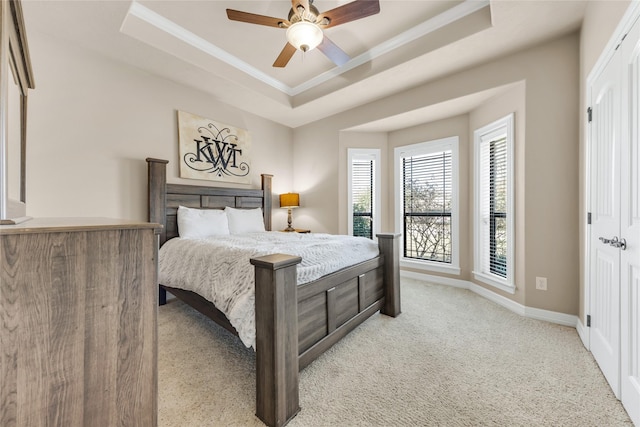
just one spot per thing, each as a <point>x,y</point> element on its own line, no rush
<point>294,324</point>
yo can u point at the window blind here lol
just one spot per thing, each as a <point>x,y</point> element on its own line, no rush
<point>362,190</point>
<point>428,193</point>
<point>494,205</point>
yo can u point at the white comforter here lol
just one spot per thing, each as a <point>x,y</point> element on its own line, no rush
<point>219,270</point>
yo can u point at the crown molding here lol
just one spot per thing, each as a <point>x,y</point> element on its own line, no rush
<point>139,14</point>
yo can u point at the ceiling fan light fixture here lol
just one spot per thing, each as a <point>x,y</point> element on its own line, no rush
<point>304,35</point>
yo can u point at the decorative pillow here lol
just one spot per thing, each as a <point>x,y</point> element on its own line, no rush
<point>244,220</point>
<point>200,223</point>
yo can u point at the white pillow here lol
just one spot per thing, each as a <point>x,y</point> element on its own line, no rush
<point>200,223</point>
<point>244,220</point>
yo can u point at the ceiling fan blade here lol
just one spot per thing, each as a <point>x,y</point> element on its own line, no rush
<point>349,12</point>
<point>283,59</point>
<point>333,52</point>
<point>252,18</point>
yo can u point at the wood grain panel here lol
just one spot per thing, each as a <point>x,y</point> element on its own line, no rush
<point>373,286</point>
<point>201,190</point>
<point>277,399</point>
<point>331,310</point>
<point>78,331</point>
<point>248,202</point>
<point>9,323</point>
<point>101,349</point>
<point>389,244</point>
<point>267,206</point>
<point>50,366</point>
<point>219,202</point>
<point>188,200</point>
<point>362,292</point>
<point>312,321</point>
<point>334,279</point>
<point>346,301</point>
<point>157,193</point>
<point>172,226</point>
<point>136,369</point>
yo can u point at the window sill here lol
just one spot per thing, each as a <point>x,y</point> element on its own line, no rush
<point>437,267</point>
<point>496,283</point>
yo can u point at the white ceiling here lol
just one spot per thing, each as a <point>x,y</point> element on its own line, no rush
<point>410,42</point>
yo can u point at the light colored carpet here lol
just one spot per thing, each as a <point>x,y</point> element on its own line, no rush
<point>451,358</point>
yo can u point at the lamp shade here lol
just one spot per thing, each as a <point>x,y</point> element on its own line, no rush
<point>304,35</point>
<point>289,200</point>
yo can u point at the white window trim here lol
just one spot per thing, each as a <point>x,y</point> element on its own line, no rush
<point>450,143</point>
<point>485,133</point>
<point>365,154</point>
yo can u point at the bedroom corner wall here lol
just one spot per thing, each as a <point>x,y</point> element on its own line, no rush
<point>315,172</point>
<point>93,121</point>
<point>600,21</point>
<point>548,74</point>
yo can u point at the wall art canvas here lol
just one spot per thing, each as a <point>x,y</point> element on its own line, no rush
<point>213,151</point>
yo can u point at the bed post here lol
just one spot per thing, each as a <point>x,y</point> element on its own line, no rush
<point>276,302</point>
<point>389,244</point>
<point>157,193</point>
<point>267,200</point>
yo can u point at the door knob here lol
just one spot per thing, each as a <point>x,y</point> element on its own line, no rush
<point>622,243</point>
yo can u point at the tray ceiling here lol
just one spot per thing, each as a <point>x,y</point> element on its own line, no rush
<point>408,43</point>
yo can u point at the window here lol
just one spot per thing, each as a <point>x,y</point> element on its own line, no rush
<point>493,204</point>
<point>426,211</point>
<point>364,192</point>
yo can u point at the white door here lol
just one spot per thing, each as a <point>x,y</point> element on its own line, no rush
<point>630,227</point>
<point>605,223</point>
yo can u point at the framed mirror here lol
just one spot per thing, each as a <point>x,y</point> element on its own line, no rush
<point>16,78</point>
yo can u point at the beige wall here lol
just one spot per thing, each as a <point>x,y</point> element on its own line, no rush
<point>545,100</point>
<point>511,102</point>
<point>92,123</point>
<point>316,177</point>
<point>13,138</point>
<point>551,179</point>
<point>600,22</point>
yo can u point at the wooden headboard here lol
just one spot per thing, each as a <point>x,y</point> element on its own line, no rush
<point>164,198</point>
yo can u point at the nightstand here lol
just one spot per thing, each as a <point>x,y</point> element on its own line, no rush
<point>299,230</point>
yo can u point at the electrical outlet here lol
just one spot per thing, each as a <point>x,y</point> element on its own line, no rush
<point>541,283</point>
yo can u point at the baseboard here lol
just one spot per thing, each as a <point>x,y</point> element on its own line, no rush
<point>498,299</point>
<point>583,333</point>
<point>530,312</point>
<point>551,316</point>
<point>457,283</point>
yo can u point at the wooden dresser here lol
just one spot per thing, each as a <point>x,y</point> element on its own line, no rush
<point>78,323</point>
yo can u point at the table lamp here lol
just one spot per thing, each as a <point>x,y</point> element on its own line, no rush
<point>289,201</point>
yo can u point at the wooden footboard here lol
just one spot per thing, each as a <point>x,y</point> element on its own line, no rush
<point>294,324</point>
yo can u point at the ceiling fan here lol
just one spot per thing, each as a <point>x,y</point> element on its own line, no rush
<point>305,24</point>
